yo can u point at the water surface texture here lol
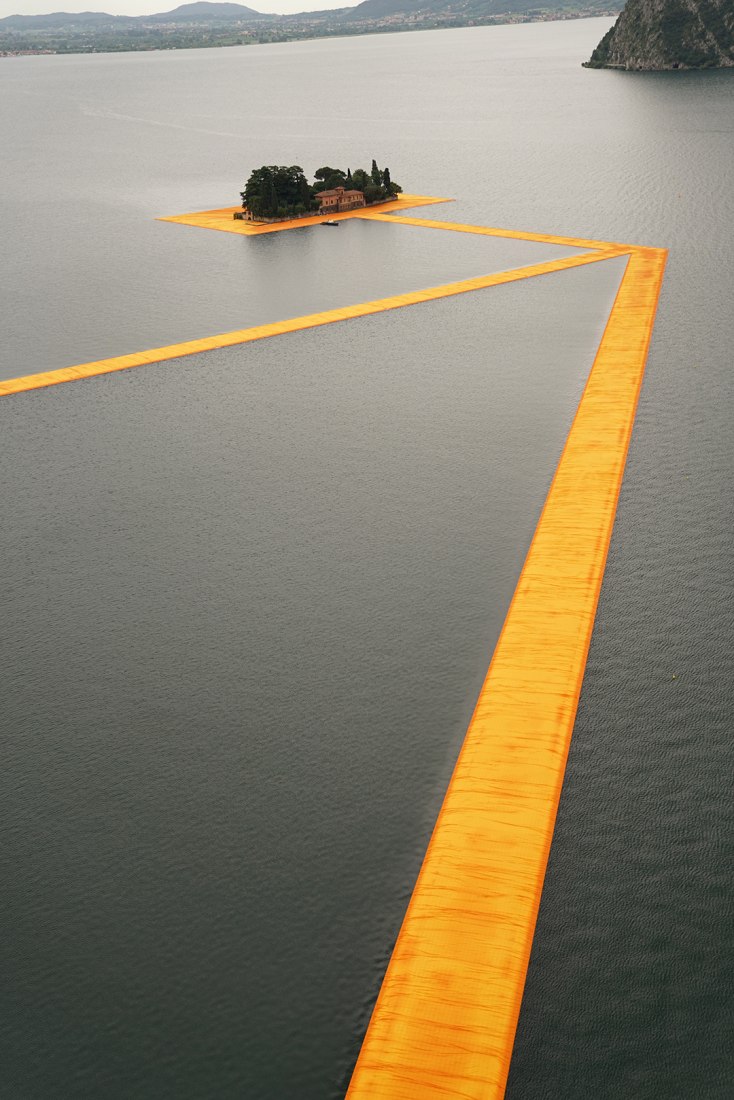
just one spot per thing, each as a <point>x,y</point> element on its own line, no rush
<point>249,597</point>
<point>241,282</point>
<point>235,695</point>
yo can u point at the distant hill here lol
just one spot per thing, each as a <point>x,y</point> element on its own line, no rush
<point>469,9</point>
<point>206,12</point>
<point>61,19</point>
<point>378,9</point>
<point>669,34</point>
<point>188,13</point>
<point>368,11</point>
<point>207,24</point>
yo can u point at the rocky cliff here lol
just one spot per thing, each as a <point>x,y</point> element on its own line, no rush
<point>669,34</point>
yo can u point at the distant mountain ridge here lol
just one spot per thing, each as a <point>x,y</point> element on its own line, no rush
<point>61,19</point>
<point>655,35</point>
<point>379,9</point>
<point>368,11</point>
<point>385,9</point>
<point>200,12</point>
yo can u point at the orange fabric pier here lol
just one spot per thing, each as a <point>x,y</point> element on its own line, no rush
<point>445,1019</point>
<point>223,219</point>
<point>487,231</point>
<point>279,328</point>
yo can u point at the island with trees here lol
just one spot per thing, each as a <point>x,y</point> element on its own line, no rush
<point>276,192</point>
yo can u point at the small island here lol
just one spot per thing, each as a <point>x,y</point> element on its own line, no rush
<point>279,193</point>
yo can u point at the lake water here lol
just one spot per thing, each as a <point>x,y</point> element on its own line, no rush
<point>250,596</point>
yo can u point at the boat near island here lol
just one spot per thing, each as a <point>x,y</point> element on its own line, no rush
<point>331,221</point>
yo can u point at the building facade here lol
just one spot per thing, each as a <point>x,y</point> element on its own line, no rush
<point>337,200</point>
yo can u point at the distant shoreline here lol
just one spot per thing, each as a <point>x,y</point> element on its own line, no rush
<point>157,40</point>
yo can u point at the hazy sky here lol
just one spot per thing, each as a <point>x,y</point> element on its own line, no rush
<point>150,7</point>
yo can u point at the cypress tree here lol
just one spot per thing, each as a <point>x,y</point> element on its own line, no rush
<point>376,174</point>
<point>386,181</point>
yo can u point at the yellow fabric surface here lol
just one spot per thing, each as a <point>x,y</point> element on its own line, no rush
<point>223,219</point>
<point>278,328</point>
<point>446,1015</point>
<point>487,231</point>
<point>445,1019</point>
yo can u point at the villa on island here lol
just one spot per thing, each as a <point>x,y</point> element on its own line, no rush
<point>338,200</point>
<point>277,192</point>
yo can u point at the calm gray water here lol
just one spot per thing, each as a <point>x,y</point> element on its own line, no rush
<point>250,596</point>
<point>231,283</point>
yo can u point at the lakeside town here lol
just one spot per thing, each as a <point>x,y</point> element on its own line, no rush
<point>204,26</point>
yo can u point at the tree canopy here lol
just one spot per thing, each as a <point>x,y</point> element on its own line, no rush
<point>275,188</point>
<point>275,191</point>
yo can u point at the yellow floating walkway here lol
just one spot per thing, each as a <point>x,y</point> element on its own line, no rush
<point>279,328</point>
<point>223,219</point>
<point>445,1019</point>
<point>487,231</point>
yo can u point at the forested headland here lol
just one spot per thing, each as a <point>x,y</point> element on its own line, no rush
<point>654,35</point>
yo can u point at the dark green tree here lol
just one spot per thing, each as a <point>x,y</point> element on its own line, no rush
<point>255,190</point>
<point>271,198</point>
<point>360,179</point>
<point>327,178</point>
<point>324,173</point>
<point>376,174</point>
<point>372,193</point>
<point>274,188</point>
